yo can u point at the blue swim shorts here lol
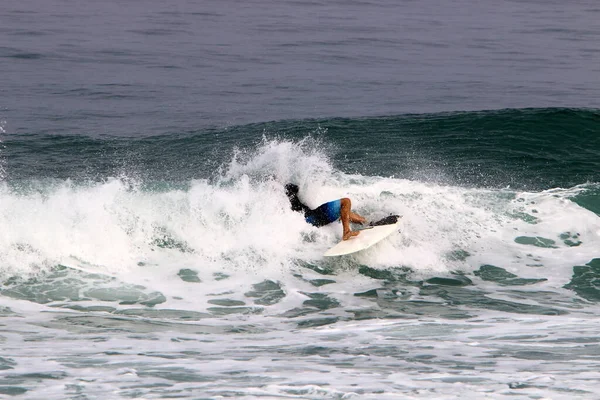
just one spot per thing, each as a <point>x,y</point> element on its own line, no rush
<point>325,213</point>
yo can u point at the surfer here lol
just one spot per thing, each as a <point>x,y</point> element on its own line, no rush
<point>326,213</point>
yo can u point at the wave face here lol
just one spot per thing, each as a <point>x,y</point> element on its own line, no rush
<point>524,149</point>
<point>193,234</point>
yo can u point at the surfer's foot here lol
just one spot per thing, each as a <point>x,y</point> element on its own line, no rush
<point>357,219</point>
<point>349,234</point>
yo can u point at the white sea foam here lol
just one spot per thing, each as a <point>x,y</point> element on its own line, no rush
<point>240,224</point>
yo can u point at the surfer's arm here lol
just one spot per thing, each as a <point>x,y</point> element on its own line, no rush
<point>297,205</point>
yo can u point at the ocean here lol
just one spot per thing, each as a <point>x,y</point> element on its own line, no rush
<point>148,250</point>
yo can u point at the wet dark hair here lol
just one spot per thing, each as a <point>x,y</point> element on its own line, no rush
<point>291,189</point>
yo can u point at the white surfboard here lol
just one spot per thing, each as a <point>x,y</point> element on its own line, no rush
<point>367,238</point>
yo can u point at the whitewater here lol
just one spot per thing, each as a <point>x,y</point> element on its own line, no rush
<point>214,287</point>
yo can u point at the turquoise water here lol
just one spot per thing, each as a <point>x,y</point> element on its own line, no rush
<point>147,249</point>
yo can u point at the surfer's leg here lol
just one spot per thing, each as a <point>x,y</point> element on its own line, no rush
<point>346,206</point>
